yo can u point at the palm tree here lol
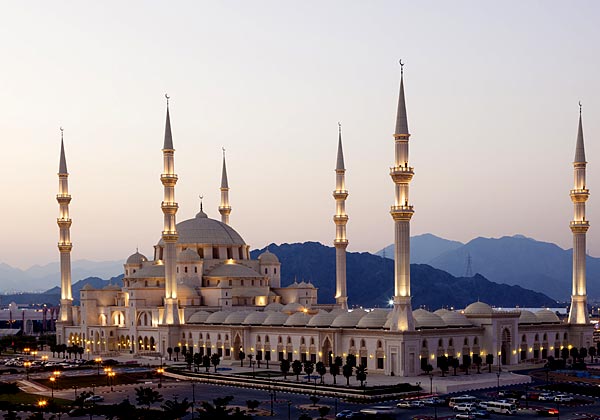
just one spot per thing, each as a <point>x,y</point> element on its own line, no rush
<point>241,356</point>
<point>442,363</point>
<point>215,359</point>
<point>147,396</point>
<point>189,359</point>
<point>466,363</point>
<point>284,366</point>
<point>361,374</point>
<point>309,367</point>
<point>592,353</point>
<point>170,351</point>
<point>583,353</point>
<point>206,362</point>
<point>177,350</point>
<point>334,370</point>
<point>197,361</point>
<point>347,372</point>
<point>297,368</point>
<point>455,364</point>
<point>175,409</point>
<point>477,360</point>
<point>489,360</point>
<point>351,360</point>
<point>321,370</point>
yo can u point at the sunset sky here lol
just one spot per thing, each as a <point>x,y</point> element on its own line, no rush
<point>492,92</point>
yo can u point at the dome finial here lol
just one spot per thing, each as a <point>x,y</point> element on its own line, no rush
<point>580,107</point>
<point>201,198</point>
<point>167,97</point>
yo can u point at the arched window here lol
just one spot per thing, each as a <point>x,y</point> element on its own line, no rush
<point>379,344</point>
<point>312,341</point>
<point>258,338</point>
<point>537,337</point>
<point>289,340</point>
<point>185,269</point>
<point>424,345</point>
<point>362,343</point>
<point>352,342</point>
<point>266,339</point>
<point>476,341</point>
<point>266,271</point>
<point>302,341</point>
<point>523,339</point>
<point>274,271</point>
<point>451,342</point>
<point>279,339</point>
<point>195,269</point>
<point>466,342</point>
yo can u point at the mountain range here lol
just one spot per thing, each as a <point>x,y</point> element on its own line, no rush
<point>514,260</point>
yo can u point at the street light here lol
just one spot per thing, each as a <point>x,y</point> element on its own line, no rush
<point>52,380</point>
<point>111,375</point>
<point>107,370</point>
<point>27,365</point>
<point>98,361</point>
<point>160,372</point>
<point>34,353</point>
<point>41,404</point>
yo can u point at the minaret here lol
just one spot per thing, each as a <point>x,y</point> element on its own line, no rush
<point>579,226</point>
<point>401,212</point>
<point>341,218</point>
<point>169,234</point>
<point>64,242</point>
<point>224,208</point>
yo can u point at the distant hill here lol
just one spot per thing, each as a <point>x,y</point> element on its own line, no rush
<point>532,264</point>
<point>423,248</point>
<point>41,277</point>
<point>95,282</point>
<point>370,280</point>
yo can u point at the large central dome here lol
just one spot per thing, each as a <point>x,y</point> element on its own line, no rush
<point>206,231</point>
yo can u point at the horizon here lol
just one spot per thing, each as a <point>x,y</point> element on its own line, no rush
<point>492,94</point>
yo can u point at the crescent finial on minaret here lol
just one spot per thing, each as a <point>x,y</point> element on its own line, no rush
<point>580,107</point>
<point>401,66</point>
<point>201,198</point>
<point>168,97</point>
<point>62,129</point>
<point>223,148</point>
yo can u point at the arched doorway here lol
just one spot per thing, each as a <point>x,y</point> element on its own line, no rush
<point>505,349</point>
<point>237,346</point>
<point>326,352</point>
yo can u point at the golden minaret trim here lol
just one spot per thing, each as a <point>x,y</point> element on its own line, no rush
<point>169,234</point>
<point>64,242</point>
<point>402,212</point>
<point>340,218</point>
<point>578,313</point>
<point>224,208</point>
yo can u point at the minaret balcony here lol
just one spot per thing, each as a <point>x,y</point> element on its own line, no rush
<point>401,174</point>
<point>402,212</point>
<point>63,198</point>
<point>65,246</point>
<point>168,179</point>
<point>340,219</point>
<point>579,195</point>
<point>64,222</point>
<point>340,194</point>
<point>340,242</point>
<point>170,236</point>
<point>579,226</point>
<point>169,206</point>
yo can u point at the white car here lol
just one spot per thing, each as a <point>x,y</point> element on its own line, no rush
<point>563,398</point>
<point>546,397</point>
<point>94,398</point>
<point>404,404</point>
<point>465,407</point>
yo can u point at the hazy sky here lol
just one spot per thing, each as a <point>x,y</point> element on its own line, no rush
<point>491,87</point>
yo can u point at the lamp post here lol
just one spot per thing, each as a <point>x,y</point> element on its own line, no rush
<point>34,353</point>
<point>289,410</point>
<point>431,383</point>
<point>27,365</point>
<point>98,361</point>
<point>498,387</point>
<point>107,370</point>
<point>52,380</point>
<point>41,404</point>
<point>111,375</point>
<point>160,372</point>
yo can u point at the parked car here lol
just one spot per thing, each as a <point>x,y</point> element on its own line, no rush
<point>404,404</point>
<point>546,396</point>
<point>482,414</point>
<point>343,414</point>
<point>547,412</point>
<point>356,415</point>
<point>417,404</point>
<point>563,398</point>
<point>433,401</point>
<point>465,416</point>
<point>94,398</point>
<point>465,407</point>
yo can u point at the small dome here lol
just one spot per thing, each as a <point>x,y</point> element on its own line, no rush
<point>299,319</point>
<point>426,319</point>
<point>87,287</point>
<point>274,306</point>
<point>322,319</point>
<point>528,317</point>
<point>348,319</point>
<point>546,316</point>
<point>198,317</point>
<point>189,255</point>
<point>217,317</point>
<point>276,318</point>
<point>256,318</point>
<point>184,291</point>
<point>338,311</point>
<point>233,270</point>
<point>292,307</point>
<point>136,258</point>
<point>236,318</point>
<point>441,312</point>
<point>453,318</point>
<point>374,319</point>
<point>112,287</point>
<point>479,308</point>
<point>268,257</point>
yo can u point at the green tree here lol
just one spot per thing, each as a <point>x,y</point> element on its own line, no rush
<point>80,400</point>
<point>175,409</point>
<point>323,411</point>
<point>314,400</point>
<point>455,363</point>
<point>124,411</point>
<point>361,374</point>
<point>189,360</point>
<point>583,353</point>
<point>334,370</point>
<point>218,410</point>
<point>11,415</point>
<point>442,363</point>
<point>574,353</point>
<point>284,366</point>
<point>215,360</point>
<point>351,360</point>
<point>466,363</point>
<point>309,368</point>
<point>176,350</point>
<point>489,360</point>
<point>427,368</point>
<point>592,352</point>
<point>564,353</point>
<point>206,362</point>
<point>477,361</point>
<point>321,370</point>
<point>267,357</point>
<point>297,368</point>
<point>170,351</point>
<point>197,361</point>
<point>147,396</point>
<point>252,405</point>
<point>347,372</point>
<point>241,356</point>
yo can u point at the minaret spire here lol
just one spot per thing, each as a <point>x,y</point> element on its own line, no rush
<point>401,212</point>
<point>64,242</point>
<point>340,219</point>
<point>579,227</point>
<point>224,208</point>
<point>169,235</point>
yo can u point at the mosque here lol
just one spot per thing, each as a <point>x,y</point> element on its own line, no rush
<point>202,290</point>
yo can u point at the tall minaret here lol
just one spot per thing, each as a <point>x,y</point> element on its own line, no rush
<point>401,212</point>
<point>64,242</point>
<point>341,218</point>
<point>579,226</point>
<point>224,208</point>
<point>169,234</point>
